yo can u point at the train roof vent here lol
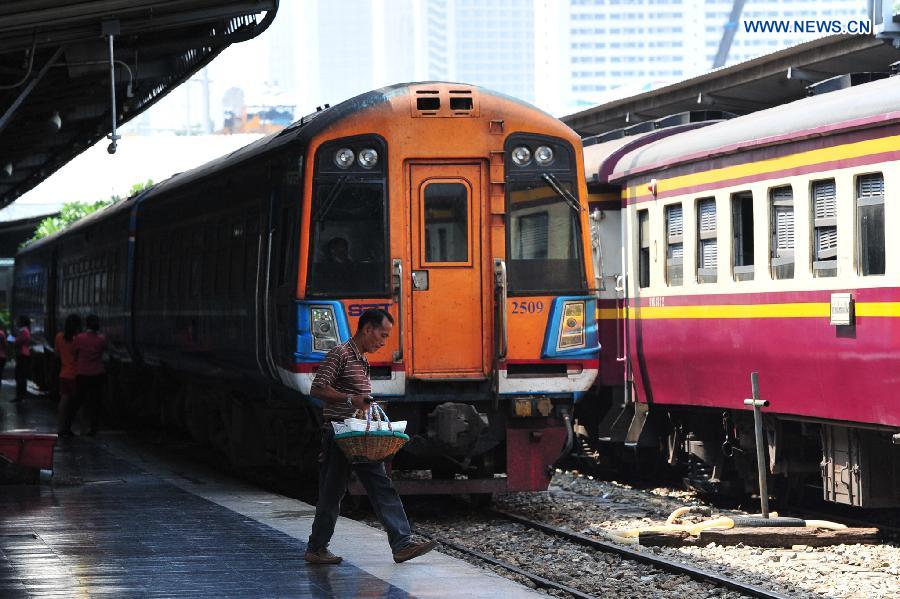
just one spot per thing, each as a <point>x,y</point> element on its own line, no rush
<point>445,102</point>
<point>842,82</point>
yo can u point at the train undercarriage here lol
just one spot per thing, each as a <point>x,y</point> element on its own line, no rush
<point>714,451</point>
<point>463,443</point>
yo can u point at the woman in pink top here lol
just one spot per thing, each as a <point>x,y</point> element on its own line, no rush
<point>22,347</point>
<point>89,370</point>
<point>64,346</point>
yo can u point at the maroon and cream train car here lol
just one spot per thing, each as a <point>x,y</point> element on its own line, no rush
<point>761,244</point>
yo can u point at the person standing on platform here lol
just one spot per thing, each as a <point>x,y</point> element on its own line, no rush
<point>89,371</point>
<point>3,348</point>
<point>22,346</point>
<point>64,345</point>
<point>342,383</point>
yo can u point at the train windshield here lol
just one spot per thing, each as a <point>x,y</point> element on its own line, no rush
<point>349,232</point>
<point>544,251</point>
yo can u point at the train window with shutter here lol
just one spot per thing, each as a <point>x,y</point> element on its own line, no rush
<point>707,241</point>
<point>237,257</point>
<point>209,260</point>
<point>643,248</point>
<point>674,245</point>
<point>223,236</point>
<point>184,289</point>
<point>251,251</point>
<point>825,234</point>
<point>742,232</point>
<point>781,214</point>
<point>870,224</point>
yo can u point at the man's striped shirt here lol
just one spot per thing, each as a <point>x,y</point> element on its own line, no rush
<point>346,370</point>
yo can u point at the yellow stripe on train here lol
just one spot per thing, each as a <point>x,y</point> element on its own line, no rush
<point>842,152</point>
<point>799,310</point>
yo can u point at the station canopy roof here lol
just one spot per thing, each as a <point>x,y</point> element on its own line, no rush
<point>746,87</point>
<point>55,92</point>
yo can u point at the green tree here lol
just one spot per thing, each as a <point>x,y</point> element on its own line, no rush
<point>72,212</point>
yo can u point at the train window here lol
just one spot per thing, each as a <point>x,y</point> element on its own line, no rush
<point>707,241</point>
<point>644,248</point>
<point>223,239</point>
<point>349,239</point>
<point>742,232</point>
<point>870,224</point>
<point>543,240</point>
<point>674,245</point>
<point>781,213</point>
<point>446,223</point>
<point>824,200</point>
<point>284,244</point>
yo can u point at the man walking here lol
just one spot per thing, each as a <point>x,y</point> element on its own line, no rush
<point>342,383</point>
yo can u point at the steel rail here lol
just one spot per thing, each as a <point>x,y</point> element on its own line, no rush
<point>540,581</point>
<point>646,558</point>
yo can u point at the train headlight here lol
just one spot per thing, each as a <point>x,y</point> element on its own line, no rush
<point>344,158</point>
<point>368,158</point>
<point>521,156</point>
<point>571,327</point>
<point>543,155</point>
<point>324,328</point>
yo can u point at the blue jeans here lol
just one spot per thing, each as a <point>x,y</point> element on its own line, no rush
<point>334,475</point>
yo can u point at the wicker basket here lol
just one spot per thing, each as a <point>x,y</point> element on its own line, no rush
<point>371,446</point>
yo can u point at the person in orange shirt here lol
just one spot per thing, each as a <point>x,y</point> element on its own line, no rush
<point>65,349</point>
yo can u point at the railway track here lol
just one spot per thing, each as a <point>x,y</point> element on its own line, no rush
<point>649,559</point>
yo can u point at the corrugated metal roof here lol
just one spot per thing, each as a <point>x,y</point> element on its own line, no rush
<point>54,62</point>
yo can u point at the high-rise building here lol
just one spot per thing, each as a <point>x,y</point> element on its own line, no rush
<point>614,48</point>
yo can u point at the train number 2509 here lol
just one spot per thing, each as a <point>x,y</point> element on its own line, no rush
<point>527,307</point>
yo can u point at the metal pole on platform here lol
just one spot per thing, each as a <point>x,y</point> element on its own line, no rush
<point>758,404</point>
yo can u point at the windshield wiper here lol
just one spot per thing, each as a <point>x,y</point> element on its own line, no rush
<point>330,199</point>
<point>571,200</point>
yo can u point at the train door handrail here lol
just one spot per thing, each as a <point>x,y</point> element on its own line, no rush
<point>398,298</point>
<point>270,361</point>
<point>621,315</point>
<point>259,257</point>
<point>501,293</point>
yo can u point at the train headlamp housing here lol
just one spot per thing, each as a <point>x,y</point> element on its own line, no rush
<point>544,155</point>
<point>323,326</point>
<point>367,158</point>
<point>521,156</point>
<point>360,155</point>
<point>344,158</point>
<point>571,326</point>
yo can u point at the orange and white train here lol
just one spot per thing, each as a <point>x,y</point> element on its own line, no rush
<point>460,211</point>
<point>757,244</point>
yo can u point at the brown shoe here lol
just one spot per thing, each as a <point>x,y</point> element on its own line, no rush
<point>322,556</point>
<point>414,550</point>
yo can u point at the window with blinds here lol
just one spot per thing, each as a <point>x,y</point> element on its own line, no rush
<point>674,245</point>
<point>707,246</point>
<point>824,205</point>
<point>781,210</point>
<point>643,248</point>
<point>742,232</point>
<point>870,224</point>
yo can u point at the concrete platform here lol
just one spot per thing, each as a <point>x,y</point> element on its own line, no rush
<point>120,520</point>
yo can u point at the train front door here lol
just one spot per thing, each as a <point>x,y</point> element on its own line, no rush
<point>446,280</point>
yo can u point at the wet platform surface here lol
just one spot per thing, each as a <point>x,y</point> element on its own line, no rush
<point>121,520</point>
